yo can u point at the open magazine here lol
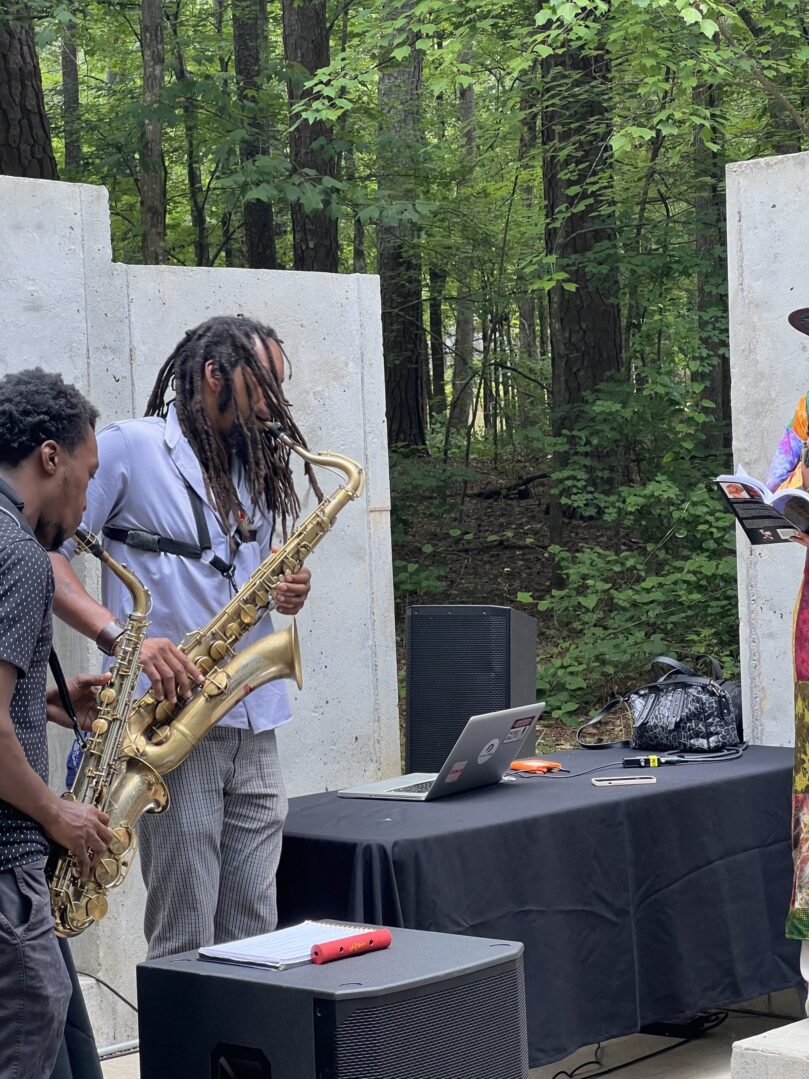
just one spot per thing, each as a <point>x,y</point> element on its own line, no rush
<point>765,517</point>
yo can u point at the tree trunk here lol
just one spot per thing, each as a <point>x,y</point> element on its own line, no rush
<point>249,44</point>
<point>25,137</point>
<point>306,49</point>
<point>152,166</point>
<point>527,411</point>
<point>398,254</point>
<point>585,322</point>
<point>460,413</point>
<point>196,194</point>
<point>711,282</point>
<point>70,98</point>
<point>438,399</point>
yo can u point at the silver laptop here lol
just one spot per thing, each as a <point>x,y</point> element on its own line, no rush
<point>487,746</point>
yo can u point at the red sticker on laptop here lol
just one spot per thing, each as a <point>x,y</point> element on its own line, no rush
<point>455,772</point>
<point>518,729</point>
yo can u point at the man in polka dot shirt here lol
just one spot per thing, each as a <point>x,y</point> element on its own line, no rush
<point>47,457</point>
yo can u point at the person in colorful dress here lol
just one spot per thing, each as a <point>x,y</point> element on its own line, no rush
<point>790,468</point>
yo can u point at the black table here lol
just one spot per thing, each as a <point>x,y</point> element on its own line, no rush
<point>635,904</point>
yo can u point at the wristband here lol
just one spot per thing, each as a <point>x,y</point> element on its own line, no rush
<point>108,635</point>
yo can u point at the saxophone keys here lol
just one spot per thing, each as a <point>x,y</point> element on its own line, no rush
<point>215,684</point>
<point>204,663</point>
<point>100,726</point>
<point>106,874</point>
<point>247,614</point>
<point>164,710</point>
<point>106,695</point>
<point>234,629</point>
<point>219,650</point>
<point>95,907</point>
<point>121,840</point>
<point>262,598</point>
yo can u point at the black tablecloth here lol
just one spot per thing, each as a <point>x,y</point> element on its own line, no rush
<point>635,904</point>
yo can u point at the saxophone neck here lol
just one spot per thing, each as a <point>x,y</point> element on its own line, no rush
<point>352,470</point>
<point>88,543</point>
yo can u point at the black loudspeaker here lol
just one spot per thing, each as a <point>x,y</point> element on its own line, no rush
<point>431,1006</point>
<point>463,661</point>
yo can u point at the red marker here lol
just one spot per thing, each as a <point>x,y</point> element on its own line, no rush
<point>371,941</point>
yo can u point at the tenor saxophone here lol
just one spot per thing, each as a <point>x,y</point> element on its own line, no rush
<point>77,903</point>
<point>160,735</point>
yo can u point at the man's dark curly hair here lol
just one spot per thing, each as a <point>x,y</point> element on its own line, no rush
<point>36,406</point>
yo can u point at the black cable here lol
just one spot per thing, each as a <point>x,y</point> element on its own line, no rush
<point>106,985</point>
<point>710,1022</point>
<point>764,1015</point>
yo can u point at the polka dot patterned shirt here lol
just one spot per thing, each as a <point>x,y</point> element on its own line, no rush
<point>26,592</point>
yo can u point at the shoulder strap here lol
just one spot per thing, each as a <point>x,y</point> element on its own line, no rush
<point>605,711</point>
<point>142,540</point>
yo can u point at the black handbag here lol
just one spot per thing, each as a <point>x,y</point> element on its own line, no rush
<point>682,712</point>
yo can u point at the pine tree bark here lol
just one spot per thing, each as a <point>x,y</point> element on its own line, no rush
<point>25,137</point>
<point>306,48</point>
<point>152,166</point>
<point>398,252</point>
<point>249,46</point>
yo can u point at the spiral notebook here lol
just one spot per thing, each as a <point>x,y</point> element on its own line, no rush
<point>284,948</point>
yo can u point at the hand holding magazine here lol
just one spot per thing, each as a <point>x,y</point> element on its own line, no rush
<point>765,517</point>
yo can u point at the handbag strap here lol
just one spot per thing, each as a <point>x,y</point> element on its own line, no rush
<point>660,662</point>
<point>602,714</point>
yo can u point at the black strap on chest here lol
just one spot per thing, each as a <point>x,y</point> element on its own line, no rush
<point>141,540</point>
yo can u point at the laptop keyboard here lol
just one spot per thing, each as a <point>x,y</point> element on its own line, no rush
<point>414,788</point>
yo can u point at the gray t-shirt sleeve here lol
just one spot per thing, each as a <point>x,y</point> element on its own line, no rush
<point>25,596</point>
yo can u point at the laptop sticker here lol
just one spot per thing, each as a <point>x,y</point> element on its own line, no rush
<point>455,772</point>
<point>518,730</point>
<point>488,750</point>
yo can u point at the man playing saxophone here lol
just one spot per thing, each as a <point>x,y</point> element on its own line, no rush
<point>47,456</point>
<point>188,497</point>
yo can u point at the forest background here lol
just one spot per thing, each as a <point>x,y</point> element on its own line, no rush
<point>540,187</point>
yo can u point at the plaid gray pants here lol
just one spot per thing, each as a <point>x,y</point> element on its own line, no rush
<point>209,861</point>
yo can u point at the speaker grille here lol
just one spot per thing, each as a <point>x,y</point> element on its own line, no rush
<point>475,1030</point>
<point>458,665</point>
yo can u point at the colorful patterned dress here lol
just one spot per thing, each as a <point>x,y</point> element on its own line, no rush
<point>785,472</point>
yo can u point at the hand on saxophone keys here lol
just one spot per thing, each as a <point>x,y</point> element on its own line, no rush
<point>292,590</point>
<point>81,829</point>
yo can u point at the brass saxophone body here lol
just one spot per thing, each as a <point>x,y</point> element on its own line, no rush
<point>161,734</point>
<point>77,903</point>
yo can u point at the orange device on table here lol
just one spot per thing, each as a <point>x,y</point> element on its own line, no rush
<point>535,764</point>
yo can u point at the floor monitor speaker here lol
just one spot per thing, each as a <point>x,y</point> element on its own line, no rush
<point>462,661</point>
<point>431,1006</point>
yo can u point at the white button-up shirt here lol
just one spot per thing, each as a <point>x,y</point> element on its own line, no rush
<point>141,484</point>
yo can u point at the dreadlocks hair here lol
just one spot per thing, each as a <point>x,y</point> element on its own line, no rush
<point>36,406</point>
<point>230,343</point>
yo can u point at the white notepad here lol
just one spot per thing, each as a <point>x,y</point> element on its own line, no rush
<point>285,947</point>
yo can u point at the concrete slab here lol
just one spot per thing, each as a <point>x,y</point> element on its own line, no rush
<point>782,1053</point>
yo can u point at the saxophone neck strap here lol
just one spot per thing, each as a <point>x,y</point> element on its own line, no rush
<point>141,540</point>
<point>64,695</point>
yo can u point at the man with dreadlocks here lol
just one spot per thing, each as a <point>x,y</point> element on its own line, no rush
<point>188,497</point>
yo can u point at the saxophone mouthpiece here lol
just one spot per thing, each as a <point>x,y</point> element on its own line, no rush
<point>89,542</point>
